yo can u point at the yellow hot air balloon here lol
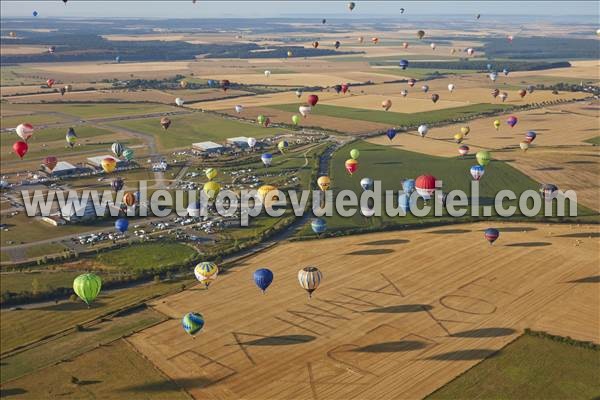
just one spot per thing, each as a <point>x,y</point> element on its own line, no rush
<point>386,104</point>
<point>265,197</point>
<point>211,189</point>
<point>211,173</point>
<point>465,130</point>
<point>108,164</point>
<point>289,53</point>
<point>183,83</point>
<point>458,138</point>
<point>324,183</point>
<point>497,124</point>
<point>524,145</point>
<point>206,272</point>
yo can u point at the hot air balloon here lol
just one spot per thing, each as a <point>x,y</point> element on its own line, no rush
<point>179,101</point>
<point>404,201</point>
<point>117,184</point>
<point>405,45</point>
<point>367,183</point>
<point>225,84</point>
<point>463,150</point>
<point>315,44</point>
<point>530,89</point>
<point>477,172</point>
<point>549,191</point>
<point>267,159</point>
<point>458,138</point>
<point>35,13</point>
<point>489,66</point>
<point>432,45</point>
<point>375,40</point>
<point>411,82</point>
<point>530,136</point>
<point>192,322</point>
<point>505,71</point>
<point>391,133</point>
<point>12,34</point>
<point>310,279</point>
<point>312,100</point>
<point>282,146</point>
<point>402,11</point>
<point>211,189</point>
<point>337,44</point>
<point>345,87</point>
<point>351,5</point>
<point>491,234</point>
<point>354,154</point>
<point>183,83</point>
<point>435,97</point>
<point>423,129</point>
<point>367,211</point>
<point>129,199</point>
<point>337,88</point>
<point>495,93</point>
<point>351,166</point>
<point>68,88</point>
<point>267,122</point>
<point>483,157</point>
<point>51,49</point>
<point>360,39</point>
<point>493,76</point>
<point>24,131</point>
<point>324,183</point>
<point>425,186</point>
<point>318,225</point>
<point>87,287</point>
<point>404,92</point>
<point>420,34</point>
<point>263,278</point>
<point>386,104</point>
<point>20,149</point>
<point>108,164</point>
<point>71,137</point>
<point>211,173</point>
<point>425,88</point>
<point>503,96</point>
<point>512,121</point>
<point>470,51</point>
<point>50,162</point>
<point>298,93</point>
<point>263,193</point>
<point>62,91</point>
<point>261,119</point>
<point>478,16</point>
<point>121,225</point>
<point>323,21</point>
<point>290,54</point>
<point>267,73</point>
<point>497,124</point>
<point>465,130</point>
<point>522,93</point>
<point>305,110</point>
<point>206,272</point>
<point>118,59</point>
<point>117,149</point>
<point>408,186</point>
<point>251,142</point>
<point>451,87</point>
<point>403,64</point>
<point>165,123</point>
<point>50,82</point>
<point>524,145</point>
<point>295,119</point>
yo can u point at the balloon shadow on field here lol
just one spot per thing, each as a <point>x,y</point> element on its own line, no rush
<point>587,279</point>
<point>580,162</point>
<point>385,242</point>
<point>11,392</point>
<point>402,308</point>
<point>169,386</point>
<point>69,306</point>
<point>370,252</point>
<point>529,244</point>
<point>516,229</point>
<point>284,340</point>
<point>392,347</point>
<point>85,383</point>
<point>450,231</point>
<point>464,355</point>
<point>581,235</point>
<point>484,332</point>
<point>549,169</point>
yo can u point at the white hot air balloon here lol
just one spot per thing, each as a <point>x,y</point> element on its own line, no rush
<point>25,131</point>
<point>305,110</point>
<point>179,101</point>
<point>251,142</point>
<point>267,73</point>
<point>493,76</point>
<point>298,93</point>
<point>451,87</point>
<point>470,51</point>
<point>423,129</point>
<point>432,45</point>
<point>367,211</point>
<point>239,108</point>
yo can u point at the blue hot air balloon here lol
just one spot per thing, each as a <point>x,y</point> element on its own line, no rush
<point>263,278</point>
<point>367,183</point>
<point>121,225</point>
<point>192,323</point>
<point>491,234</point>
<point>408,186</point>
<point>404,201</point>
<point>403,64</point>
<point>35,13</point>
<point>391,133</point>
<point>118,59</point>
<point>318,225</point>
<point>267,159</point>
<point>489,66</point>
<point>505,71</point>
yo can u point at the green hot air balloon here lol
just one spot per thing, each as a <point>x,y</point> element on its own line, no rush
<point>296,119</point>
<point>483,157</point>
<point>354,154</point>
<point>260,119</point>
<point>128,154</point>
<point>87,287</point>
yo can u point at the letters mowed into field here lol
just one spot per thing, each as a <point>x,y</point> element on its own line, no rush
<point>397,314</point>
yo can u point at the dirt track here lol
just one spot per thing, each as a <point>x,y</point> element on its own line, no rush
<point>397,315</point>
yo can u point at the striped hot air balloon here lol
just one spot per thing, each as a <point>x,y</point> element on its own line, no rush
<point>310,279</point>
<point>206,272</point>
<point>117,149</point>
<point>87,287</point>
<point>477,172</point>
<point>192,323</point>
<point>318,226</point>
<point>491,234</point>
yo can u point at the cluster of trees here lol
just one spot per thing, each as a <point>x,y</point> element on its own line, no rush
<point>482,65</point>
<point>562,339</point>
<point>537,48</point>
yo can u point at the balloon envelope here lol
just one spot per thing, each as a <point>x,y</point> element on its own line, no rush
<point>192,323</point>
<point>318,225</point>
<point>391,133</point>
<point>408,186</point>
<point>477,172</point>
<point>425,186</point>
<point>324,183</point>
<point>206,272</point>
<point>267,159</point>
<point>491,235</point>
<point>483,157</point>
<point>20,149</point>
<point>121,225</point>
<point>367,183</point>
<point>310,279</point>
<point>24,131</point>
<point>87,287</point>
<point>263,278</point>
<point>351,166</point>
<point>354,154</point>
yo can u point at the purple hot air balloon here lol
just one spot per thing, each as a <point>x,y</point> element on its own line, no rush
<point>391,133</point>
<point>512,121</point>
<point>530,136</point>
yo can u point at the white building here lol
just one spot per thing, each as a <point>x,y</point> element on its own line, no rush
<point>160,166</point>
<point>240,141</point>
<point>96,161</point>
<point>208,147</point>
<point>62,168</point>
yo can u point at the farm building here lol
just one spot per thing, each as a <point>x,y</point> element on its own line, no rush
<point>96,161</point>
<point>241,141</point>
<point>208,147</point>
<point>63,168</point>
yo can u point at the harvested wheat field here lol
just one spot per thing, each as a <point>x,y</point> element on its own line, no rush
<point>262,100</point>
<point>397,314</point>
<point>399,103</point>
<point>589,69</point>
<point>11,50</point>
<point>304,79</point>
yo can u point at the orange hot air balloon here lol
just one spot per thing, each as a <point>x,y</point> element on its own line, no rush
<point>109,164</point>
<point>129,199</point>
<point>20,149</point>
<point>386,104</point>
<point>315,44</point>
<point>351,166</point>
<point>375,40</point>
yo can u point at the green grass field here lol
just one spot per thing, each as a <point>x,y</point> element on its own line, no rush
<point>198,127</point>
<point>595,140</point>
<point>147,256</point>
<point>76,343</point>
<point>44,249</point>
<point>394,118</point>
<point>100,110</point>
<point>23,281</point>
<point>34,119</point>
<point>529,368</point>
<point>420,73</point>
<point>113,371</point>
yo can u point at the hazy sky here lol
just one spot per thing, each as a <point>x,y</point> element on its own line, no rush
<point>288,8</point>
